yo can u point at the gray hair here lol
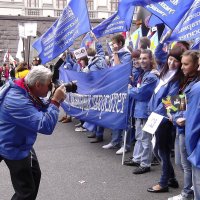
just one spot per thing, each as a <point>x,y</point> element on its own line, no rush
<point>38,73</point>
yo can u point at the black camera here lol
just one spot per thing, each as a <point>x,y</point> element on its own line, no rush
<point>71,86</point>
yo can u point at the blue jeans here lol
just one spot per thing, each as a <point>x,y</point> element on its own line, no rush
<point>99,131</point>
<point>163,143</point>
<point>142,152</point>
<point>196,182</point>
<point>181,159</point>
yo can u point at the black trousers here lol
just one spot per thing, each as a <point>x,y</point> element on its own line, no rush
<point>25,176</point>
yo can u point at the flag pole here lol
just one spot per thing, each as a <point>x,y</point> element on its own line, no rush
<point>29,44</point>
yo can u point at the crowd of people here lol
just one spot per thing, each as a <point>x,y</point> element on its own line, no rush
<point>154,77</point>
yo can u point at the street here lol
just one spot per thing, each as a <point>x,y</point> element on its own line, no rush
<point>74,169</point>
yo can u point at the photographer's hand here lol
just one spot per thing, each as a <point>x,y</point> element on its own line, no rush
<point>59,94</point>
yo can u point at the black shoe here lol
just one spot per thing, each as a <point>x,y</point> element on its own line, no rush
<point>131,163</point>
<point>155,162</point>
<point>164,189</point>
<point>91,135</point>
<point>173,183</point>
<point>97,140</point>
<point>141,170</point>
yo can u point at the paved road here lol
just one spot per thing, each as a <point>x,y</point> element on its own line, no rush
<point>74,169</point>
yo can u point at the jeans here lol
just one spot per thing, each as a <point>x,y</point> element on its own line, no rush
<point>99,131</point>
<point>196,182</point>
<point>142,152</point>
<point>181,159</point>
<point>25,176</point>
<point>163,143</point>
<point>116,137</point>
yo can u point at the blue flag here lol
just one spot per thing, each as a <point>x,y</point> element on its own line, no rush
<point>170,12</point>
<point>189,26</point>
<point>101,97</point>
<point>114,24</point>
<point>73,22</point>
<point>196,44</point>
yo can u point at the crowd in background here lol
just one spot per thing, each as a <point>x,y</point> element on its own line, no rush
<point>154,77</point>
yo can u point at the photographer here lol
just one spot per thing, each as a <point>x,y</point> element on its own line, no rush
<point>24,114</point>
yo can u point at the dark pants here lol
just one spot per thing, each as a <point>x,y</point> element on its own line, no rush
<point>25,176</point>
<point>163,144</point>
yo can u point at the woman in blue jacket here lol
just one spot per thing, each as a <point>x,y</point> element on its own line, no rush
<point>189,67</point>
<point>169,83</point>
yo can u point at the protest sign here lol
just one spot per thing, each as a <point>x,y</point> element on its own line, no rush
<point>101,96</point>
<point>175,103</point>
<point>80,53</point>
<point>152,123</point>
<point>73,22</point>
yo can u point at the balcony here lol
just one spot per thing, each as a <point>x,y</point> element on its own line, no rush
<point>37,12</point>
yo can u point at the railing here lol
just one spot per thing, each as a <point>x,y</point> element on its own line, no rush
<point>33,12</point>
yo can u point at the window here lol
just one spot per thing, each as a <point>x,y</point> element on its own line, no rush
<point>33,3</point>
<point>90,4</point>
<point>61,4</point>
<point>114,5</point>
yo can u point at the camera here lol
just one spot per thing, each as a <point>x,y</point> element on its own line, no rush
<point>70,87</point>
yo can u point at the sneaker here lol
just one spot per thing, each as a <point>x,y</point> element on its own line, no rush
<point>80,129</point>
<point>180,197</point>
<point>121,150</point>
<point>78,125</point>
<point>110,146</point>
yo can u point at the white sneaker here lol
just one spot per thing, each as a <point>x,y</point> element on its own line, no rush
<point>180,197</point>
<point>77,125</point>
<point>121,150</point>
<point>80,129</point>
<point>108,146</point>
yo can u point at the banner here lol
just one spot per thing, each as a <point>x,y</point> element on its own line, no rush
<point>73,22</point>
<point>101,97</point>
<point>189,26</point>
<point>115,23</point>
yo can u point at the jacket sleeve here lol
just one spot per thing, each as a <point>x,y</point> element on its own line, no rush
<point>145,91</point>
<point>99,49</point>
<point>56,70</point>
<point>160,54</point>
<point>21,111</point>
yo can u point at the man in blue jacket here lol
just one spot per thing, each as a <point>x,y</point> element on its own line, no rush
<point>23,114</point>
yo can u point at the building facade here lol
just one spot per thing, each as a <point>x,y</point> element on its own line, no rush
<point>53,8</point>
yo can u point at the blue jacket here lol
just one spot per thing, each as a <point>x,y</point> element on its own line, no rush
<point>136,72</point>
<point>142,94</point>
<point>180,114</point>
<point>160,55</point>
<point>155,104</point>
<point>192,133</point>
<point>124,56</point>
<point>98,62</point>
<point>20,121</point>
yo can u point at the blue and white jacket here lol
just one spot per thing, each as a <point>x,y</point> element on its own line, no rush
<point>142,94</point>
<point>20,121</point>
